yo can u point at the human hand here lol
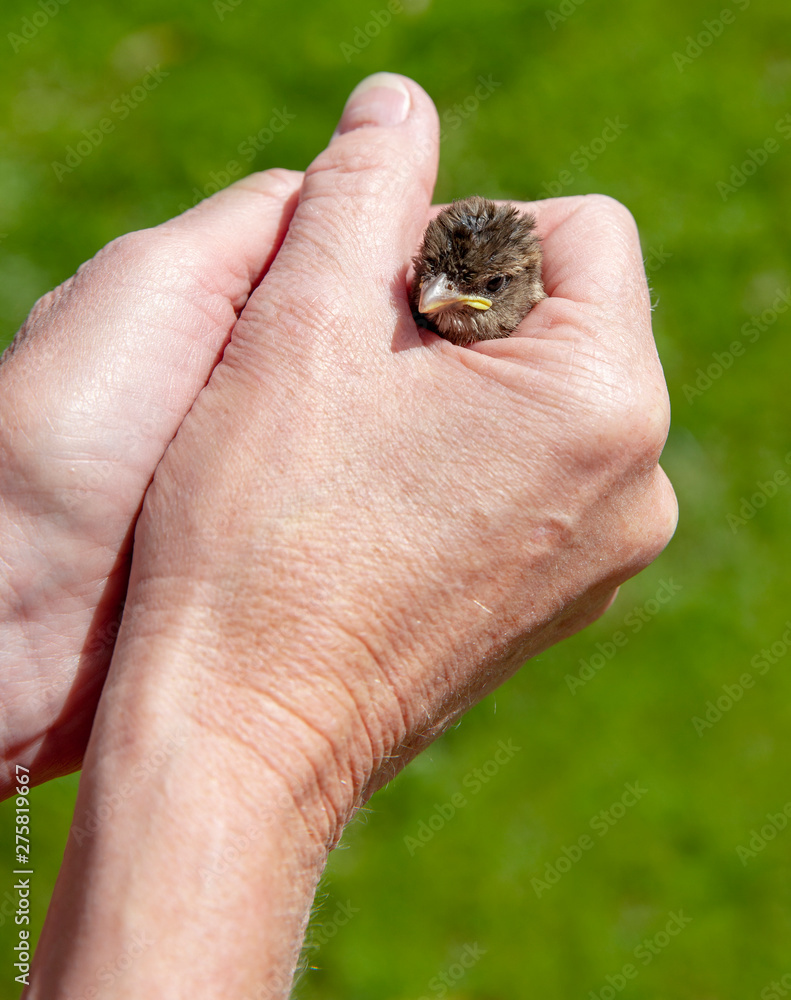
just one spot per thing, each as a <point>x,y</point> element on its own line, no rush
<point>91,392</point>
<point>359,530</point>
<point>357,508</point>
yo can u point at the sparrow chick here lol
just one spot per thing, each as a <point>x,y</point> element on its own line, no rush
<point>478,272</point>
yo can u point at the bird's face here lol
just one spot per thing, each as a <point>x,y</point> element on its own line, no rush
<point>478,272</point>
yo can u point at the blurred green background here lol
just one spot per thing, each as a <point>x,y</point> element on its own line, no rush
<point>506,897</point>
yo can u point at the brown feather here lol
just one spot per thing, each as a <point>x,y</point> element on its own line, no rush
<point>473,242</point>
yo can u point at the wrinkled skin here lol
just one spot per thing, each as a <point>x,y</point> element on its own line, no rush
<point>358,531</point>
<point>91,392</point>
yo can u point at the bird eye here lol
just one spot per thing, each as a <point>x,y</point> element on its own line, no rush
<point>496,283</point>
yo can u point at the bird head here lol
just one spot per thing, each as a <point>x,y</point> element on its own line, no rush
<point>478,271</point>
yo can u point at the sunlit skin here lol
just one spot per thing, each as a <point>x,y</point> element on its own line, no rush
<point>331,534</point>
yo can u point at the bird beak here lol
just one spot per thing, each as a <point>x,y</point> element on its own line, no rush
<point>439,293</point>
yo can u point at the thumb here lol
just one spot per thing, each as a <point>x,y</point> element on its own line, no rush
<point>363,206</point>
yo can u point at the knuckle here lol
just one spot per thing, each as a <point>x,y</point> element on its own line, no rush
<point>354,168</point>
<point>42,308</point>
<point>610,210</point>
<point>630,435</point>
<point>652,532</point>
<point>645,427</point>
<point>154,258</point>
<point>277,183</point>
<point>667,508</point>
<point>129,250</point>
<point>126,261</point>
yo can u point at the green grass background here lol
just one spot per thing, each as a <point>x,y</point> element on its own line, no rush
<point>409,916</point>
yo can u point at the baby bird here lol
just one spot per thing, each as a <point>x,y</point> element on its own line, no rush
<point>478,272</point>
